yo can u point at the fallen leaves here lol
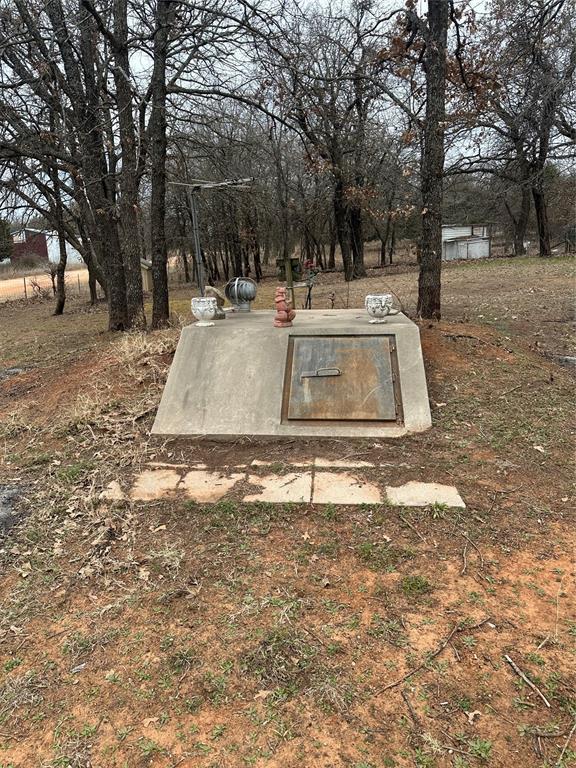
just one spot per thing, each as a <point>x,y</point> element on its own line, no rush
<point>263,694</point>
<point>148,721</point>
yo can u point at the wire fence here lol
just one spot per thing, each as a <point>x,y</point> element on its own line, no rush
<point>23,287</point>
<point>18,288</point>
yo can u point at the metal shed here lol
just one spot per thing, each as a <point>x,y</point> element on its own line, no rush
<point>469,241</point>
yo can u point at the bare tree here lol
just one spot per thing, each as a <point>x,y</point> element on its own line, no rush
<point>521,123</point>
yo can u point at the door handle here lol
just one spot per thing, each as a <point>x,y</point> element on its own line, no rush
<point>320,373</point>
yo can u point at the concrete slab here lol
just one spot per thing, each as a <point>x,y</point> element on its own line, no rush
<point>302,463</point>
<point>343,488</point>
<point>229,379</point>
<point>291,487</point>
<point>342,463</point>
<point>154,484</point>
<point>415,494</point>
<point>209,486</point>
<point>168,465</point>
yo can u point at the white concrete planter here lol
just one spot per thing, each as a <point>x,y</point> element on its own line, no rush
<point>204,309</point>
<point>379,306</point>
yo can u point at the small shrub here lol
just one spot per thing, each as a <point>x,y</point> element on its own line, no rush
<point>382,557</point>
<point>387,629</point>
<point>281,659</point>
<point>480,748</point>
<point>12,664</point>
<point>413,586</point>
<point>182,660</point>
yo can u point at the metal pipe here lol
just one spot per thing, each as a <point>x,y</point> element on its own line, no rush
<point>290,280</point>
<point>196,236</point>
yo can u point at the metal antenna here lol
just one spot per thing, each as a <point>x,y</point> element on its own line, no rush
<point>191,190</point>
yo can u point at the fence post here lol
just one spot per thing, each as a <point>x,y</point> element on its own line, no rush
<point>25,292</point>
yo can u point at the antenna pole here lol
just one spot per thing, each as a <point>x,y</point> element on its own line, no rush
<point>196,237</point>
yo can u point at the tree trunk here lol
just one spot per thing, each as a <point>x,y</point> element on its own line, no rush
<point>257,262</point>
<point>392,244</point>
<point>383,251</point>
<point>332,248</point>
<point>389,224</point>
<point>92,287</point>
<point>60,273</point>
<point>157,143</point>
<point>130,231</point>
<point>357,241</point>
<point>114,270</point>
<point>89,237</point>
<point>521,223</point>
<point>61,232</point>
<point>432,161</point>
<point>98,191</point>
<point>384,241</point>
<point>234,242</point>
<point>60,291</point>
<point>542,218</point>
<point>185,265</point>
<point>246,269</point>
<point>343,230</point>
<point>236,256</point>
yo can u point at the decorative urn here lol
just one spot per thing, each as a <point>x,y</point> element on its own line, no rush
<point>379,306</point>
<point>204,309</point>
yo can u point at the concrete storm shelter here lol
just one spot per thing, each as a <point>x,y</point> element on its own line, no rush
<point>331,374</point>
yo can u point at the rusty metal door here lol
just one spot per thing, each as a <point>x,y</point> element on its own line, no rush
<point>344,378</point>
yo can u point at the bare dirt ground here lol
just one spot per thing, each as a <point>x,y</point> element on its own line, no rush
<point>175,634</point>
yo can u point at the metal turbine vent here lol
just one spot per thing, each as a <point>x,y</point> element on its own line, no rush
<point>241,291</point>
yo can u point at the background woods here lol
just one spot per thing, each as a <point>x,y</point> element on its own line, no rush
<point>357,120</point>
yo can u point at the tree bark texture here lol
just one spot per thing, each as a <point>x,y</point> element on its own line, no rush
<point>342,225</point>
<point>521,222</point>
<point>542,219</point>
<point>61,232</point>
<point>129,224</point>
<point>157,149</point>
<point>432,161</point>
<point>357,241</point>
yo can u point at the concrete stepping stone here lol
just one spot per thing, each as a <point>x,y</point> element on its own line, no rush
<point>291,487</point>
<point>342,463</point>
<point>167,465</point>
<point>204,486</point>
<point>302,463</point>
<point>154,484</point>
<point>415,494</point>
<point>343,488</point>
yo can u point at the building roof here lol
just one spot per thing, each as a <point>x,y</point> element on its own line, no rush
<point>477,224</point>
<point>16,230</point>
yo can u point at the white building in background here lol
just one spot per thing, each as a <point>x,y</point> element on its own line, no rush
<point>73,257</point>
<point>469,241</point>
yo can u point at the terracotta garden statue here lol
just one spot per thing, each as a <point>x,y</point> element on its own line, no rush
<point>284,312</point>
